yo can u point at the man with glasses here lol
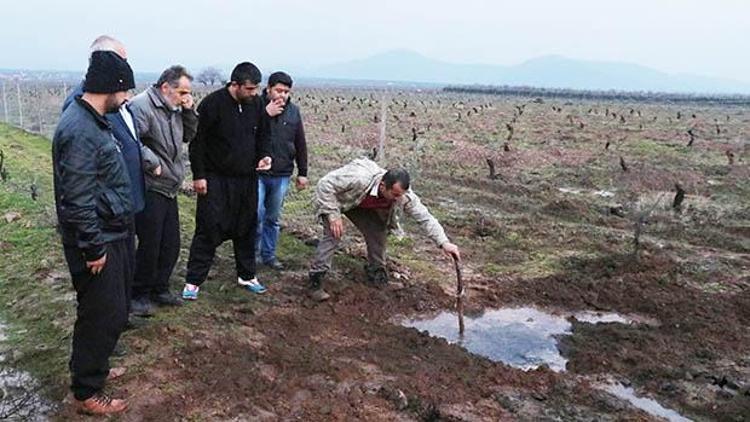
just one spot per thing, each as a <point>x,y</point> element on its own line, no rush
<point>166,121</point>
<point>230,147</point>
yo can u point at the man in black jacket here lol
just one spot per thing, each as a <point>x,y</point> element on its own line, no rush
<point>94,210</point>
<point>288,145</point>
<point>232,137</point>
<point>138,159</point>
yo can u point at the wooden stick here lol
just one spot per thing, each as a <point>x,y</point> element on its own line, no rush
<point>459,296</point>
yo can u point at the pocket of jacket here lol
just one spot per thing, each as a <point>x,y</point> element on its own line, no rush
<point>110,204</point>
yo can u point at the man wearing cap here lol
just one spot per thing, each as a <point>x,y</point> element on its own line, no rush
<point>166,122</point>
<point>94,211</point>
<point>288,145</point>
<point>230,147</point>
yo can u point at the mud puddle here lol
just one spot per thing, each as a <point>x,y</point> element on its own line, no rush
<point>524,338</point>
<point>19,398</point>
<point>650,406</point>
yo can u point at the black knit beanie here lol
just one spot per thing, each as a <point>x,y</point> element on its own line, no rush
<point>108,73</point>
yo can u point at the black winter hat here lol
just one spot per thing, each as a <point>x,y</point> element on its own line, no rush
<point>108,73</point>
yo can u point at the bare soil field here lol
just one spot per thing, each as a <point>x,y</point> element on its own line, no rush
<point>577,214</point>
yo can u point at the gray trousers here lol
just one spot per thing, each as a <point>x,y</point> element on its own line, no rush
<point>371,223</point>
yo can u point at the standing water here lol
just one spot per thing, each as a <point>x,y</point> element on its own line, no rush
<point>19,398</point>
<point>521,337</point>
<point>647,405</point>
<point>524,338</point>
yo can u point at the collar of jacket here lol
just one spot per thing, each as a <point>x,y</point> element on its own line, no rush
<point>98,118</point>
<point>159,101</point>
<point>374,190</point>
<point>376,186</point>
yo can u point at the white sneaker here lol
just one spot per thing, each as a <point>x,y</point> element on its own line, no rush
<point>190,291</point>
<point>253,285</point>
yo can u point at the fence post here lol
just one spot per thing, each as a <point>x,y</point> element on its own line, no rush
<point>40,116</point>
<point>20,106</point>
<point>5,102</point>
<point>381,140</point>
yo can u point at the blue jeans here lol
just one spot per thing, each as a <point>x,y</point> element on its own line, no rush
<point>271,193</point>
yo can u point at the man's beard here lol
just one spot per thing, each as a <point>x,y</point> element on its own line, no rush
<point>247,100</point>
<point>112,105</point>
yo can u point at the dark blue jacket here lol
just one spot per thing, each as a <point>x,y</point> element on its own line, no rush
<point>92,186</point>
<point>288,144</point>
<point>131,151</point>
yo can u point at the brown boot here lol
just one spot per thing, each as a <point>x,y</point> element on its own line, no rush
<point>316,291</point>
<point>319,295</point>
<point>101,404</point>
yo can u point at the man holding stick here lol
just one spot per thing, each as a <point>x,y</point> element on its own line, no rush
<point>369,196</point>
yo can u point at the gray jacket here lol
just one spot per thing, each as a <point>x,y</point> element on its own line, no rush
<point>163,131</point>
<point>343,189</point>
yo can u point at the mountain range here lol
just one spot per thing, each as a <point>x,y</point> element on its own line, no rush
<point>543,72</point>
<point>405,67</point>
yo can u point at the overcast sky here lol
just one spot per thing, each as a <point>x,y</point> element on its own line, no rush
<point>677,36</point>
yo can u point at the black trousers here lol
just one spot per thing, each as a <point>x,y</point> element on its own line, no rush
<point>101,316</point>
<point>130,243</point>
<point>229,210</point>
<point>158,229</point>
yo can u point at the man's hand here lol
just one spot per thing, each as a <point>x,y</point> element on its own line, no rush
<point>337,227</point>
<point>97,266</point>
<point>188,101</point>
<point>451,250</point>
<point>264,164</point>
<point>301,182</point>
<point>200,186</point>
<point>157,170</point>
<point>275,107</point>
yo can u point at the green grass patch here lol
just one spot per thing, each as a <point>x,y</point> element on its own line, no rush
<point>36,296</point>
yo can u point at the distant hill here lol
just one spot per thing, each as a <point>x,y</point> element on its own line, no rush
<point>544,72</point>
<point>407,68</point>
<point>63,75</point>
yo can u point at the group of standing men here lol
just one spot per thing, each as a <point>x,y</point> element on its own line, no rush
<point>119,165</point>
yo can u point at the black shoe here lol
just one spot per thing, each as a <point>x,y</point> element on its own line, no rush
<point>119,350</point>
<point>135,323</point>
<point>142,307</point>
<point>376,276</point>
<point>274,264</point>
<point>166,299</point>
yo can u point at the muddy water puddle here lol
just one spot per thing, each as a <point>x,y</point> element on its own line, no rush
<point>524,338</point>
<point>19,398</point>
<point>650,406</point>
<point>527,338</point>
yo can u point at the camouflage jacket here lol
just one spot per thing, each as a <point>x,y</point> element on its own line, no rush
<point>344,189</point>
